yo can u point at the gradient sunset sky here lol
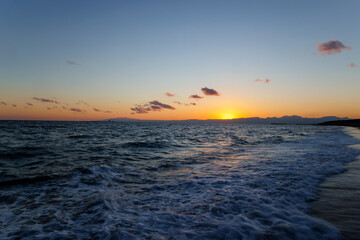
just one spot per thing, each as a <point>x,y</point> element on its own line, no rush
<point>92,60</point>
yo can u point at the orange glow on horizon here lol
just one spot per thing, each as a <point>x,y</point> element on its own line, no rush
<point>228,116</point>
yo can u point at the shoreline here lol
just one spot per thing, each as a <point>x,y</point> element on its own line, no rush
<point>339,198</point>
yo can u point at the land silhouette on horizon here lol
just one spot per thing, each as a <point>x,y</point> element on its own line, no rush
<point>285,120</point>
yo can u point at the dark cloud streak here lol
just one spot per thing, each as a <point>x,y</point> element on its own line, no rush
<point>46,100</point>
<point>196,97</point>
<point>209,92</point>
<point>152,106</point>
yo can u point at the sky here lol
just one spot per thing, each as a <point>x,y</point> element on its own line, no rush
<point>167,60</point>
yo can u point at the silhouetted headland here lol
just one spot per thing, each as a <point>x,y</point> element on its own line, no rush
<point>349,123</point>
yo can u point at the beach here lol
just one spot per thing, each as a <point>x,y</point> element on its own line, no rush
<point>339,197</point>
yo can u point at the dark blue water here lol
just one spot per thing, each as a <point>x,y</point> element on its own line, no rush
<point>165,180</point>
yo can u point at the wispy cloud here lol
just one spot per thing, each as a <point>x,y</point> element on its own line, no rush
<point>209,92</point>
<point>193,103</point>
<point>151,106</point>
<point>162,105</point>
<point>3,103</point>
<point>140,109</point>
<point>77,110</point>
<point>352,65</point>
<point>46,100</point>
<point>177,102</point>
<point>14,105</point>
<point>98,110</point>
<point>72,63</point>
<point>331,47</point>
<point>266,81</point>
<point>83,102</point>
<point>196,97</point>
<point>29,104</point>
<point>169,94</point>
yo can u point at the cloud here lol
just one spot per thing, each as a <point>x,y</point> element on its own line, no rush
<point>197,97</point>
<point>52,108</point>
<point>46,100</point>
<point>63,107</point>
<point>331,47</point>
<point>266,81</point>
<point>72,63</point>
<point>14,105</point>
<point>155,106</point>
<point>29,104</point>
<point>209,92</point>
<point>98,110</point>
<point>352,65</point>
<point>193,103</point>
<point>3,103</point>
<point>82,102</point>
<point>139,109</point>
<point>169,94</point>
<point>77,110</point>
<point>177,102</point>
<point>162,105</point>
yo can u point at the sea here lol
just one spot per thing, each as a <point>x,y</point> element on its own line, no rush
<point>166,179</point>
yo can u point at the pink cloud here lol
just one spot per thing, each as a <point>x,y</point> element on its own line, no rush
<point>14,105</point>
<point>352,65</point>
<point>193,104</point>
<point>177,102</point>
<point>29,104</point>
<point>169,94</point>
<point>196,97</point>
<point>209,92</point>
<point>3,103</point>
<point>46,100</point>
<point>266,81</point>
<point>331,47</point>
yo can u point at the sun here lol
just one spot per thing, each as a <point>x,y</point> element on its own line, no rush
<point>227,116</point>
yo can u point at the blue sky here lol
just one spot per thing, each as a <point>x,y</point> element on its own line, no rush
<point>132,52</point>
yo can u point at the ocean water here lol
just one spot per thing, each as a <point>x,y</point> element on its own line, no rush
<point>165,180</point>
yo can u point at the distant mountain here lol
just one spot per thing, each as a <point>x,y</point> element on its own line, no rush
<point>285,120</point>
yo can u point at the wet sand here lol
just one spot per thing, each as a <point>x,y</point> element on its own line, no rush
<point>339,198</point>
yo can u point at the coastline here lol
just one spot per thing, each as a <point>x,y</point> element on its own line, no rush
<point>339,197</point>
<point>346,123</point>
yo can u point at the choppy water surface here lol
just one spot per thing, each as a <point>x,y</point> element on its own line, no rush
<point>165,180</point>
